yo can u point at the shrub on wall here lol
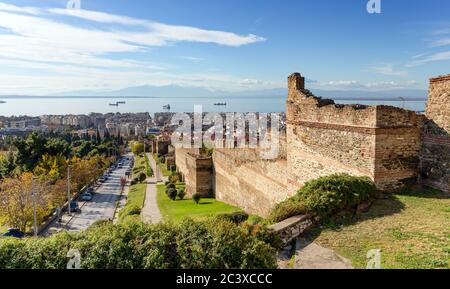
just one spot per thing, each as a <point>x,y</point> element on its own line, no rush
<point>326,195</point>
<point>135,245</point>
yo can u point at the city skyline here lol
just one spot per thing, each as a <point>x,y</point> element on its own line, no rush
<point>110,46</point>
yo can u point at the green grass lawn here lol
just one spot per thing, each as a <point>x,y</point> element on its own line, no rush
<point>176,211</point>
<point>136,198</point>
<point>412,230</point>
<point>136,195</point>
<point>140,165</point>
<point>165,172</point>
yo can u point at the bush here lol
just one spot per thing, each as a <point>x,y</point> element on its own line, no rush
<point>171,186</point>
<point>181,194</point>
<point>131,210</point>
<point>236,217</point>
<point>135,245</point>
<point>134,181</point>
<point>142,177</point>
<point>325,196</point>
<point>289,208</point>
<point>172,193</point>
<point>196,198</point>
<point>174,178</point>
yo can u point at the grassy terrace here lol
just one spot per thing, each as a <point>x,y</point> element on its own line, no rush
<point>139,165</point>
<point>164,170</point>
<point>136,199</point>
<point>175,211</point>
<point>412,230</point>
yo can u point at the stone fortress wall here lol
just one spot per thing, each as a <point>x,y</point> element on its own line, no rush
<point>380,142</point>
<point>392,146</point>
<point>435,154</point>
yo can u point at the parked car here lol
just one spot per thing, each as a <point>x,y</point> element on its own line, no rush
<point>102,180</point>
<point>87,197</point>
<point>74,207</point>
<point>14,233</point>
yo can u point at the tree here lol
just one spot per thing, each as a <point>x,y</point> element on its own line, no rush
<point>137,148</point>
<point>30,150</point>
<point>16,201</point>
<point>58,146</point>
<point>7,165</point>
<point>98,137</point>
<point>52,167</point>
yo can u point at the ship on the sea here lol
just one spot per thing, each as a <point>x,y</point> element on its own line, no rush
<point>166,107</point>
<point>117,103</point>
<point>220,104</point>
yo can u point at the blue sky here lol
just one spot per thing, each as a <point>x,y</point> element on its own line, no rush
<point>233,45</point>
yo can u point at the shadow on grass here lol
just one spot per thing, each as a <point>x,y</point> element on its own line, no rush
<point>380,208</point>
<point>425,193</point>
<point>205,203</point>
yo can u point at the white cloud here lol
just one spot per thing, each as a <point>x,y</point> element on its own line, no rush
<point>389,70</point>
<point>191,58</point>
<point>357,85</point>
<point>39,47</point>
<point>440,56</point>
<point>441,42</point>
<point>250,82</point>
<point>162,34</point>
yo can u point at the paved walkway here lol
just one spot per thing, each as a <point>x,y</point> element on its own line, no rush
<point>312,256</point>
<point>150,212</point>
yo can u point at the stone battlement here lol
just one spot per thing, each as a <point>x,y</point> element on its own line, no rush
<point>440,78</point>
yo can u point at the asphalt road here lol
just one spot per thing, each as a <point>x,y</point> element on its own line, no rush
<point>101,207</point>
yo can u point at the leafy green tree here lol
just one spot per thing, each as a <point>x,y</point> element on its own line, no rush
<point>58,146</point>
<point>30,150</point>
<point>7,165</point>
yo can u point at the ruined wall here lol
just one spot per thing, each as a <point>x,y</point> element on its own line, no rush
<point>243,179</point>
<point>197,171</point>
<point>323,138</point>
<point>435,155</point>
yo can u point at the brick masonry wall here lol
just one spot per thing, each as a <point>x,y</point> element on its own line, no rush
<point>435,156</point>
<point>323,138</point>
<point>197,171</point>
<point>242,179</point>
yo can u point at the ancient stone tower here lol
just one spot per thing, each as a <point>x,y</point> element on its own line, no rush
<point>380,142</point>
<point>435,156</point>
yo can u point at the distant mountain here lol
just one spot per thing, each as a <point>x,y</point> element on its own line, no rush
<point>181,91</point>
